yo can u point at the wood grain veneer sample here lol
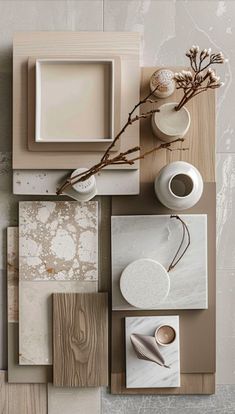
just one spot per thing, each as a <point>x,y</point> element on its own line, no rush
<point>80,339</point>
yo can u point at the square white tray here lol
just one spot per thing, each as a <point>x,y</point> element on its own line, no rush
<point>74,100</point>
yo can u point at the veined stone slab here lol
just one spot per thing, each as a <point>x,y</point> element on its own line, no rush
<point>147,374</point>
<point>158,238</point>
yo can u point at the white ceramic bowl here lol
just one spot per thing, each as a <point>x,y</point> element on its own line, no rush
<point>178,185</point>
<point>86,190</point>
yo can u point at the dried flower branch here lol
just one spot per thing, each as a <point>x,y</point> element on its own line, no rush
<point>121,157</point>
<point>202,77</point>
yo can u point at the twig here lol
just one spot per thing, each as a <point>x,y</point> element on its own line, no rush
<point>202,76</point>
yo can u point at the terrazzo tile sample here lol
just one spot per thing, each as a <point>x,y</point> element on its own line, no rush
<point>73,401</point>
<point>158,238</point>
<point>147,374</point>
<point>58,240</point>
<point>35,317</point>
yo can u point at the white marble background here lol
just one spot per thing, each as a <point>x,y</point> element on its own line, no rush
<point>168,28</point>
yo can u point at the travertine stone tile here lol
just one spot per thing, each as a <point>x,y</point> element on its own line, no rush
<point>35,317</point>
<point>73,401</point>
<point>58,240</point>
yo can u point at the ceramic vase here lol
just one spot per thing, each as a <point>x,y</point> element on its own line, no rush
<point>178,185</point>
<point>169,124</point>
<point>86,190</point>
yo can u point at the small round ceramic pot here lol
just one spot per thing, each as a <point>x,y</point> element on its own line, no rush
<point>169,124</point>
<point>165,335</point>
<point>178,185</point>
<point>163,80</point>
<point>86,189</point>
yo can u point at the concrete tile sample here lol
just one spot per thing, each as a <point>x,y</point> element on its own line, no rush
<point>158,238</point>
<point>147,374</point>
<point>73,401</point>
<point>58,240</point>
<point>22,398</point>
<point>35,317</point>
<point>80,340</point>
<point>12,274</point>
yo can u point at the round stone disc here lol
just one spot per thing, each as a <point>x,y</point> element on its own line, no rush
<point>145,283</point>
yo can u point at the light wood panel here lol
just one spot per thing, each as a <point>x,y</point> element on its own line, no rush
<point>200,139</point>
<point>190,384</point>
<point>22,398</point>
<point>80,340</point>
<point>198,359</point>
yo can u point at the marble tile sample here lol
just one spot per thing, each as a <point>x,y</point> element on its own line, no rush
<point>158,238</point>
<point>35,316</point>
<point>58,240</point>
<point>147,374</point>
<point>12,274</point>
<point>73,401</point>
<point>22,398</point>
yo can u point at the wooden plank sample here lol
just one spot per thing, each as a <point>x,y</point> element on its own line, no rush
<point>22,398</point>
<point>198,371</point>
<point>72,45</point>
<point>80,339</point>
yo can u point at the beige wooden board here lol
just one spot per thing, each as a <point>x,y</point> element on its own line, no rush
<point>80,340</point>
<point>200,139</point>
<point>201,143</point>
<point>22,398</point>
<point>18,373</point>
<point>190,384</point>
<point>78,146</point>
<point>71,44</point>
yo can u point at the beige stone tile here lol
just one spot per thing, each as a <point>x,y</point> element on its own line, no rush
<point>35,317</point>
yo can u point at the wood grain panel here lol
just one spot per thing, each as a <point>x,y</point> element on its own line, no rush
<point>22,398</point>
<point>80,339</point>
<point>200,139</point>
<point>197,357</point>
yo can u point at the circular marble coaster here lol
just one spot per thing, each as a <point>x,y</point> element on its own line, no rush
<point>145,283</point>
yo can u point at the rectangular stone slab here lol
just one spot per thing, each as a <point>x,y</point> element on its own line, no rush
<point>157,237</point>
<point>80,340</point>
<point>142,373</point>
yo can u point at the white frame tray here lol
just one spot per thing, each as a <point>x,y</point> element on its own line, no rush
<point>41,137</point>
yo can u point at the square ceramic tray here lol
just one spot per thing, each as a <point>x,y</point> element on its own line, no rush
<point>74,100</point>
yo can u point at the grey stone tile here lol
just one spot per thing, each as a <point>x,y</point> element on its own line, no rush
<point>225,211</point>
<point>223,402</point>
<point>225,327</point>
<point>169,28</point>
